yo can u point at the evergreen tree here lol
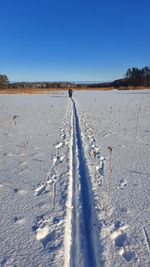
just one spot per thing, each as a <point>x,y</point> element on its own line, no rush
<point>4,82</point>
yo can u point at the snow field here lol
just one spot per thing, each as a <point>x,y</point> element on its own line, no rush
<point>75,179</point>
<point>29,189</point>
<point>119,122</point>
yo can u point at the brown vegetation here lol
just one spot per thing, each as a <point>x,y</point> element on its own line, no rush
<point>44,91</point>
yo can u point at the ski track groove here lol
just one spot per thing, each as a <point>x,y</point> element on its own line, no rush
<point>85,197</point>
<point>74,247</point>
<point>81,220</point>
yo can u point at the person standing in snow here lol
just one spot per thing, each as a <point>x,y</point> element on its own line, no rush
<point>70,91</point>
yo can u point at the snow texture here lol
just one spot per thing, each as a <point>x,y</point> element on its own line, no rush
<point>75,179</point>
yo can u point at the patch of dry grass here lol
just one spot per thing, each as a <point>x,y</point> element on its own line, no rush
<point>44,90</point>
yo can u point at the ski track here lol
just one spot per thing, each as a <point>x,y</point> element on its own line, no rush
<point>112,236</point>
<point>75,234</point>
<point>79,224</point>
<point>83,248</point>
<point>71,226</point>
<point>85,202</point>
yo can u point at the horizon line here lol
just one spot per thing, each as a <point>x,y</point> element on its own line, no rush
<point>61,81</point>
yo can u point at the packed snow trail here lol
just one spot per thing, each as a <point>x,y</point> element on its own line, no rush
<point>82,252</point>
<point>75,184</point>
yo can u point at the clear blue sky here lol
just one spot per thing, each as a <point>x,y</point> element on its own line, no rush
<point>74,40</point>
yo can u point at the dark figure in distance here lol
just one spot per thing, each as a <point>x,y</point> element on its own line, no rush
<point>70,91</point>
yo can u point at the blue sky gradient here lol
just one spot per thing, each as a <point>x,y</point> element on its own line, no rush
<point>72,40</point>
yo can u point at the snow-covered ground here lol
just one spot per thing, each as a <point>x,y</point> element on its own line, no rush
<point>75,179</point>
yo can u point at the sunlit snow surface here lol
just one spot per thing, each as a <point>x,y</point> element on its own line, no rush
<point>35,138</point>
<point>27,145</point>
<point>121,120</point>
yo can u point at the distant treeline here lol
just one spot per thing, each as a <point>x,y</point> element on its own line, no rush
<point>42,85</point>
<point>94,85</point>
<point>134,77</point>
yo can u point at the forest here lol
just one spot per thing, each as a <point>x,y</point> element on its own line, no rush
<point>133,78</point>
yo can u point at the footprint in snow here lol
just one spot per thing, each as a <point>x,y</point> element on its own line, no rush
<point>44,188</point>
<point>19,191</point>
<point>39,190</point>
<point>18,220</point>
<point>42,230</point>
<point>42,233</point>
<point>122,184</point>
<point>63,136</point>
<point>47,238</point>
<point>59,145</point>
<point>100,167</point>
<point>126,254</point>
<point>51,180</point>
<point>119,235</point>
<point>58,159</point>
<point>120,239</point>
